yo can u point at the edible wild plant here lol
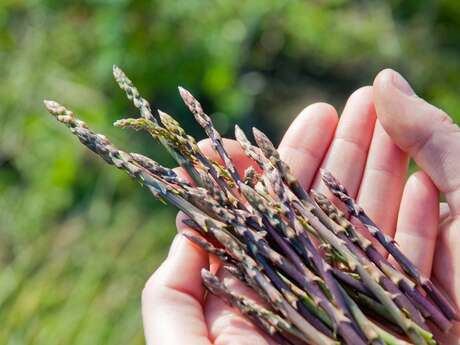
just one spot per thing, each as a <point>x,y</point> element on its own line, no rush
<point>323,281</point>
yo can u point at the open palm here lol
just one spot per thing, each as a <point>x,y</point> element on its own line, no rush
<point>368,151</point>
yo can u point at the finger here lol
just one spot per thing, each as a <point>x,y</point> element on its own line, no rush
<point>239,159</point>
<point>418,221</point>
<point>234,150</point>
<point>422,130</point>
<point>226,325</point>
<point>427,134</point>
<point>229,323</point>
<point>446,267</point>
<point>173,296</point>
<point>383,180</point>
<point>346,157</point>
<point>307,139</point>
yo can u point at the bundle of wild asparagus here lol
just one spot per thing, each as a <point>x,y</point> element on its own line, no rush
<point>322,281</point>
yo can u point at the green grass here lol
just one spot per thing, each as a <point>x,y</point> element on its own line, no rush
<point>78,239</point>
<point>81,283</point>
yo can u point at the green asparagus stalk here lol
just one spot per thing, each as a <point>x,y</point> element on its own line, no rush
<point>216,139</point>
<point>423,304</point>
<point>146,112</point>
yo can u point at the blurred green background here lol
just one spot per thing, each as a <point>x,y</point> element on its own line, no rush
<point>79,239</point>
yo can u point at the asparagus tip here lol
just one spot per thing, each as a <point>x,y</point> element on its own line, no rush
<point>328,178</point>
<point>53,107</point>
<point>117,72</point>
<point>265,144</point>
<point>187,96</point>
<point>162,113</point>
<point>194,106</point>
<point>61,113</point>
<point>240,136</point>
<point>210,280</point>
<point>136,124</point>
<point>164,183</point>
<point>258,134</point>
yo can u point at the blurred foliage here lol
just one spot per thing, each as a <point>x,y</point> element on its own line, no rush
<point>78,239</point>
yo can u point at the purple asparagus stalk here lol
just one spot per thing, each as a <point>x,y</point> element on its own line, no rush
<point>205,121</point>
<point>389,244</point>
<point>387,283</point>
<point>267,320</point>
<point>423,304</point>
<point>343,323</point>
<point>295,250</point>
<point>315,213</point>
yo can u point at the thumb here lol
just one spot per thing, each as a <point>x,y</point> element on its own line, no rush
<point>425,132</point>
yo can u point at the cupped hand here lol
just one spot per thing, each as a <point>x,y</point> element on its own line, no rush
<point>367,149</point>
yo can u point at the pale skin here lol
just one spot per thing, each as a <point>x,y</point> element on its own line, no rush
<point>368,150</point>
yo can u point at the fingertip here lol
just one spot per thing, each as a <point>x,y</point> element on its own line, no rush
<point>419,209</point>
<point>364,92</point>
<point>383,78</point>
<point>306,141</point>
<point>320,116</point>
<point>206,147</point>
<point>420,183</point>
<point>380,84</point>
<point>360,102</point>
<point>358,118</point>
<point>204,144</point>
<point>403,115</point>
<point>180,225</point>
<point>362,97</point>
<point>421,190</point>
<point>325,114</point>
<point>391,79</point>
<point>346,156</point>
<point>390,87</point>
<point>231,146</point>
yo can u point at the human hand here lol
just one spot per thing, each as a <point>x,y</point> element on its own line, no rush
<point>430,137</point>
<point>359,152</point>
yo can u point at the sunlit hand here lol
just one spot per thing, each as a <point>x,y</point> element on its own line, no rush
<point>373,166</point>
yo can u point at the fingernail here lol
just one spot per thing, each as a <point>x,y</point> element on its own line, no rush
<point>401,84</point>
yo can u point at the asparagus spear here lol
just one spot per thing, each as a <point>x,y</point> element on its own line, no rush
<point>272,323</point>
<point>308,210</point>
<point>423,304</point>
<point>205,121</point>
<point>389,244</point>
<point>264,236</point>
<point>144,106</point>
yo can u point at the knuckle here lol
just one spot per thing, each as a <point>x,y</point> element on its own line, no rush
<point>443,116</point>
